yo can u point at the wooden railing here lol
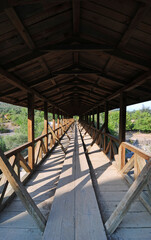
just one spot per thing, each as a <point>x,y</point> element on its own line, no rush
<point>107,142</point>
<point>137,161</point>
<point>20,163</point>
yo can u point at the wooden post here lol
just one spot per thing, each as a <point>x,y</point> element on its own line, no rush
<point>98,118</point>
<point>122,123</point>
<point>58,125</point>
<point>61,123</point>
<point>46,125</point>
<point>31,130</point>
<point>121,154</point>
<point>53,124</point>
<point>105,125</point>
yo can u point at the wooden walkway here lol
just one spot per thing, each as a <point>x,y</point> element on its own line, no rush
<point>15,222</point>
<point>75,214</point>
<point>112,188</point>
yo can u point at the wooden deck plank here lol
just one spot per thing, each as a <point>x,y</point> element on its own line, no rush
<point>75,213</point>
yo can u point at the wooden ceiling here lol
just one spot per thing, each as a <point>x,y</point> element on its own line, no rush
<point>75,54</point>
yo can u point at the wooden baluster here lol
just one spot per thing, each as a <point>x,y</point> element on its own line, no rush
<point>17,166</point>
<point>121,157</point>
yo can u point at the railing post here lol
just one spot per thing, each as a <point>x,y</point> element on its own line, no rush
<point>105,126</point>
<point>46,125</point>
<point>58,125</point>
<point>31,130</point>
<point>121,155</point>
<point>61,131</point>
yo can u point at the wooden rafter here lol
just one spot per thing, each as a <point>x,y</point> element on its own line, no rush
<point>20,27</point>
<point>22,86</point>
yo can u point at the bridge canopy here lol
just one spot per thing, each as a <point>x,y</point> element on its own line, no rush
<point>75,54</point>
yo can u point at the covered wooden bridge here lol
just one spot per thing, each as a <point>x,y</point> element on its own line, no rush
<point>72,57</point>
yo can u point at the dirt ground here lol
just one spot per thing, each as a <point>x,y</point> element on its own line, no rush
<point>10,127</point>
<point>140,140</point>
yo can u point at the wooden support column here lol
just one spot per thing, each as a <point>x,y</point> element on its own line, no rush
<point>31,130</point>
<point>105,125</point>
<point>53,124</point>
<point>122,122</point>
<point>46,125</point>
<point>61,123</point>
<point>98,118</point>
<point>58,125</point>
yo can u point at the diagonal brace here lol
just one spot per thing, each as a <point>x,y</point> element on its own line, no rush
<point>57,139</point>
<point>64,131</point>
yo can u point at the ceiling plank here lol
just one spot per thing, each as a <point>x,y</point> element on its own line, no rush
<point>141,12</point>
<point>20,27</point>
<point>76,16</point>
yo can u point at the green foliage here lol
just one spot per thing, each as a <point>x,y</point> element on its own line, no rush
<point>76,117</point>
<point>139,120</point>
<point>14,140</point>
<point>102,117</point>
<point>3,129</point>
<point>2,144</point>
<point>113,122</point>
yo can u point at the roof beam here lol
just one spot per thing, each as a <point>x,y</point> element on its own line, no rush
<point>76,16</point>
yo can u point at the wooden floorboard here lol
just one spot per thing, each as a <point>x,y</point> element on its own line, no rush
<point>75,213</point>
<point>112,187</point>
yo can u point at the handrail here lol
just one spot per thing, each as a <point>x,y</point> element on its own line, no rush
<point>20,148</point>
<point>136,150</point>
<point>14,151</point>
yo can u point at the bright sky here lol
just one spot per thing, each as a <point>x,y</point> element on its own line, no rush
<point>139,106</point>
